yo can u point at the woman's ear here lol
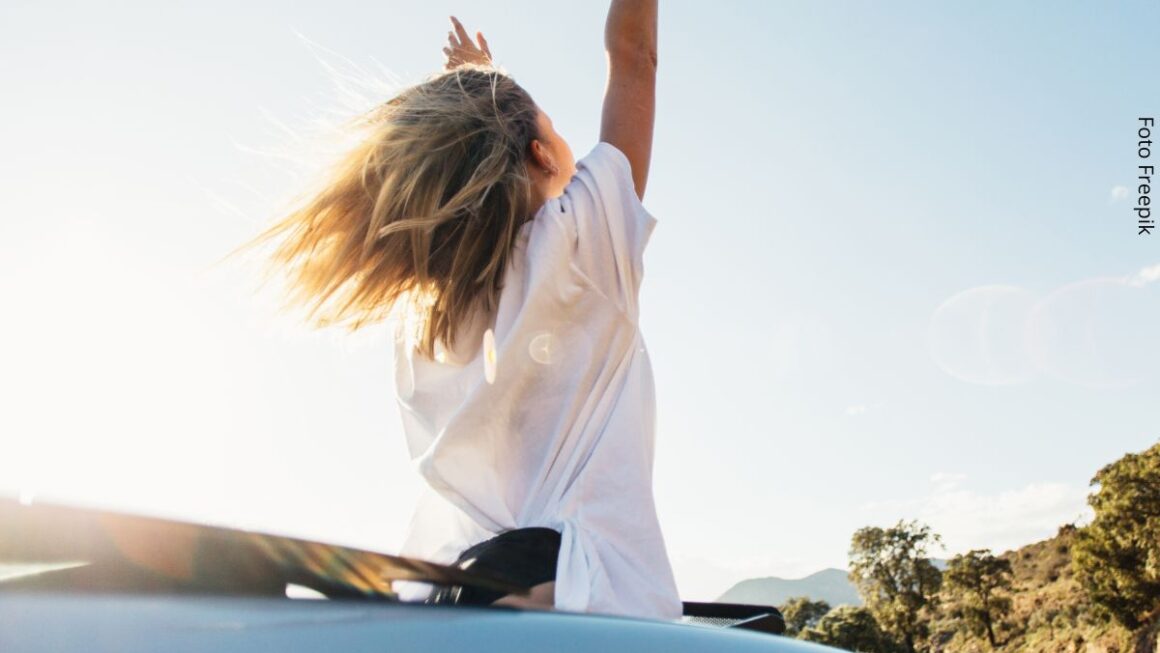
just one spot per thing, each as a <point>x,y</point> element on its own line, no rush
<point>541,158</point>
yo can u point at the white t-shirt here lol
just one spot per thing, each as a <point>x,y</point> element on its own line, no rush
<point>552,423</point>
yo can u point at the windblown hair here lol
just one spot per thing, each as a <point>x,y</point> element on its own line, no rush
<point>424,212</point>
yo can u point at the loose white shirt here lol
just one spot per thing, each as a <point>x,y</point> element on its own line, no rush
<point>545,413</point>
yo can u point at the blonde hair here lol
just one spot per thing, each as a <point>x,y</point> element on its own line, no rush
<point>424,211</point>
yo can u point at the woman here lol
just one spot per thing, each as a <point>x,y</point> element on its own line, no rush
<point>523,381</point>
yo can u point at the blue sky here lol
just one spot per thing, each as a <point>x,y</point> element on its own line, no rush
<point>895,274</point>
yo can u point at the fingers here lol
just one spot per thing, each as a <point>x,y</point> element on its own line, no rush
<point>483,44</point>
<point>464,39</point>
<point>462,49</point>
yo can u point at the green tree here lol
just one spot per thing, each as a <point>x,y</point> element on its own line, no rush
<point>801,613</point>
<point>851,628</point>
<point>896,579</point>
<point>977,583</point>
<point>1117,557</point>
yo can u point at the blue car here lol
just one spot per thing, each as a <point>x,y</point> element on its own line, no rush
<point>75,579</point>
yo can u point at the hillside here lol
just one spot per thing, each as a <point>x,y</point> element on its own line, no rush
<point>829,585</point>
<point>1049,612</point>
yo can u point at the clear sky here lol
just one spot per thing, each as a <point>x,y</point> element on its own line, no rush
<point>895,275</point>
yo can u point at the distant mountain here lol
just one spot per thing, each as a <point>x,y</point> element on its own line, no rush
<point>829,585</point>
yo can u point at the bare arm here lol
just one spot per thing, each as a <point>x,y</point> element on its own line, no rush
<point>630,41</point>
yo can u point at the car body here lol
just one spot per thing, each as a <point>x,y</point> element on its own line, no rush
<point>75,579</point>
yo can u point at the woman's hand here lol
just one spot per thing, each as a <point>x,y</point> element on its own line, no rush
<point>462,49</point>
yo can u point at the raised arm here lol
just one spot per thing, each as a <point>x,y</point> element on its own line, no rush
<point>630,41</point>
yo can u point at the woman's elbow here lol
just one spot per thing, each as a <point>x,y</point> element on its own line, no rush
<point>632,54</point>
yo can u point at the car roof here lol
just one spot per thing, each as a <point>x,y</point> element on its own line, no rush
<point>51,621</point>
<point>138,553</point>
<point>76,577</point>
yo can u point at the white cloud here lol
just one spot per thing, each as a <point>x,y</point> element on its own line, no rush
<point>862,409</point>
<point>967,519</point>
<point>947,481</point>
<point>1118,193</point>
<point>1143,276</point>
